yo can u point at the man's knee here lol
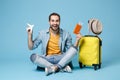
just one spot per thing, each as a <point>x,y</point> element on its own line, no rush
<point>33,57</point>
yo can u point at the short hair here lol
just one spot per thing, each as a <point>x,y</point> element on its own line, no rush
<point>54,14</point>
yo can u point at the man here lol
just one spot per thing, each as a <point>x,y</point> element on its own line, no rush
<point>57,48</point>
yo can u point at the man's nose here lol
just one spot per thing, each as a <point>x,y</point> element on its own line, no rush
<point>55,22</point>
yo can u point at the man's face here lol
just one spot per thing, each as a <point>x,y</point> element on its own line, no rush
<point>54,22</point>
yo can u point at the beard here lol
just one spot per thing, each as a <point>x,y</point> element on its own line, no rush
<point>54,27</point>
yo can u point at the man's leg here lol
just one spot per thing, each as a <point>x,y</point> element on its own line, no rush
<point>44,62</point>
<point>40,61</point>
<point>68,57</point>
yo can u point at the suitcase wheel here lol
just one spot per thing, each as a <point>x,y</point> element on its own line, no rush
<point>81,65</point>
<point>97,67</point>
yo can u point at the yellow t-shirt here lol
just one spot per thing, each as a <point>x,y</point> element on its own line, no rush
<point>53,44</point>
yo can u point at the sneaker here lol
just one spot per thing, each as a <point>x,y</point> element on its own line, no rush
<point>67,69</point>
<point>50,70</point>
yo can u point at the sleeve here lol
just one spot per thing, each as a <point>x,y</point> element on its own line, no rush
<point>37,41</point>
<point>68,42</point>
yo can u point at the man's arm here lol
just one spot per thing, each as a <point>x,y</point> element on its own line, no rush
<point>30,42</point>
<point>30,32</point>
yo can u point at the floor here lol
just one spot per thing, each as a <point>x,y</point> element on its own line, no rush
<point>22,69</point>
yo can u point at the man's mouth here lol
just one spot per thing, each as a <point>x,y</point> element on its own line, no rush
<point>55,25</point>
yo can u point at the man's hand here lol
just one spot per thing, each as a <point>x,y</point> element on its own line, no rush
<point>29,28</point>
<point>78,36</point>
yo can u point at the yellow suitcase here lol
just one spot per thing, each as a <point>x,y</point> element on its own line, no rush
<point>90,51</point>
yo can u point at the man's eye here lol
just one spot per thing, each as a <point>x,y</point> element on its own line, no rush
<point>57,21</point>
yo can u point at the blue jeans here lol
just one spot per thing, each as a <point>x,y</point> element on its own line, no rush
<point>60,60</point>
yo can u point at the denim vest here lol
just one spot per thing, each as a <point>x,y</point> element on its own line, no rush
<point>64,43</point>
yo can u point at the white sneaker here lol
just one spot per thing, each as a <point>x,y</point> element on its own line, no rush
<point>67,69</point>
<point>50,70</point>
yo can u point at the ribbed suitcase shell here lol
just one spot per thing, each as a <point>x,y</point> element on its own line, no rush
<point>90,51</point>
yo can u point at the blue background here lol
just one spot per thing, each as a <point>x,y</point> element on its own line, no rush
<point>14,53</point>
